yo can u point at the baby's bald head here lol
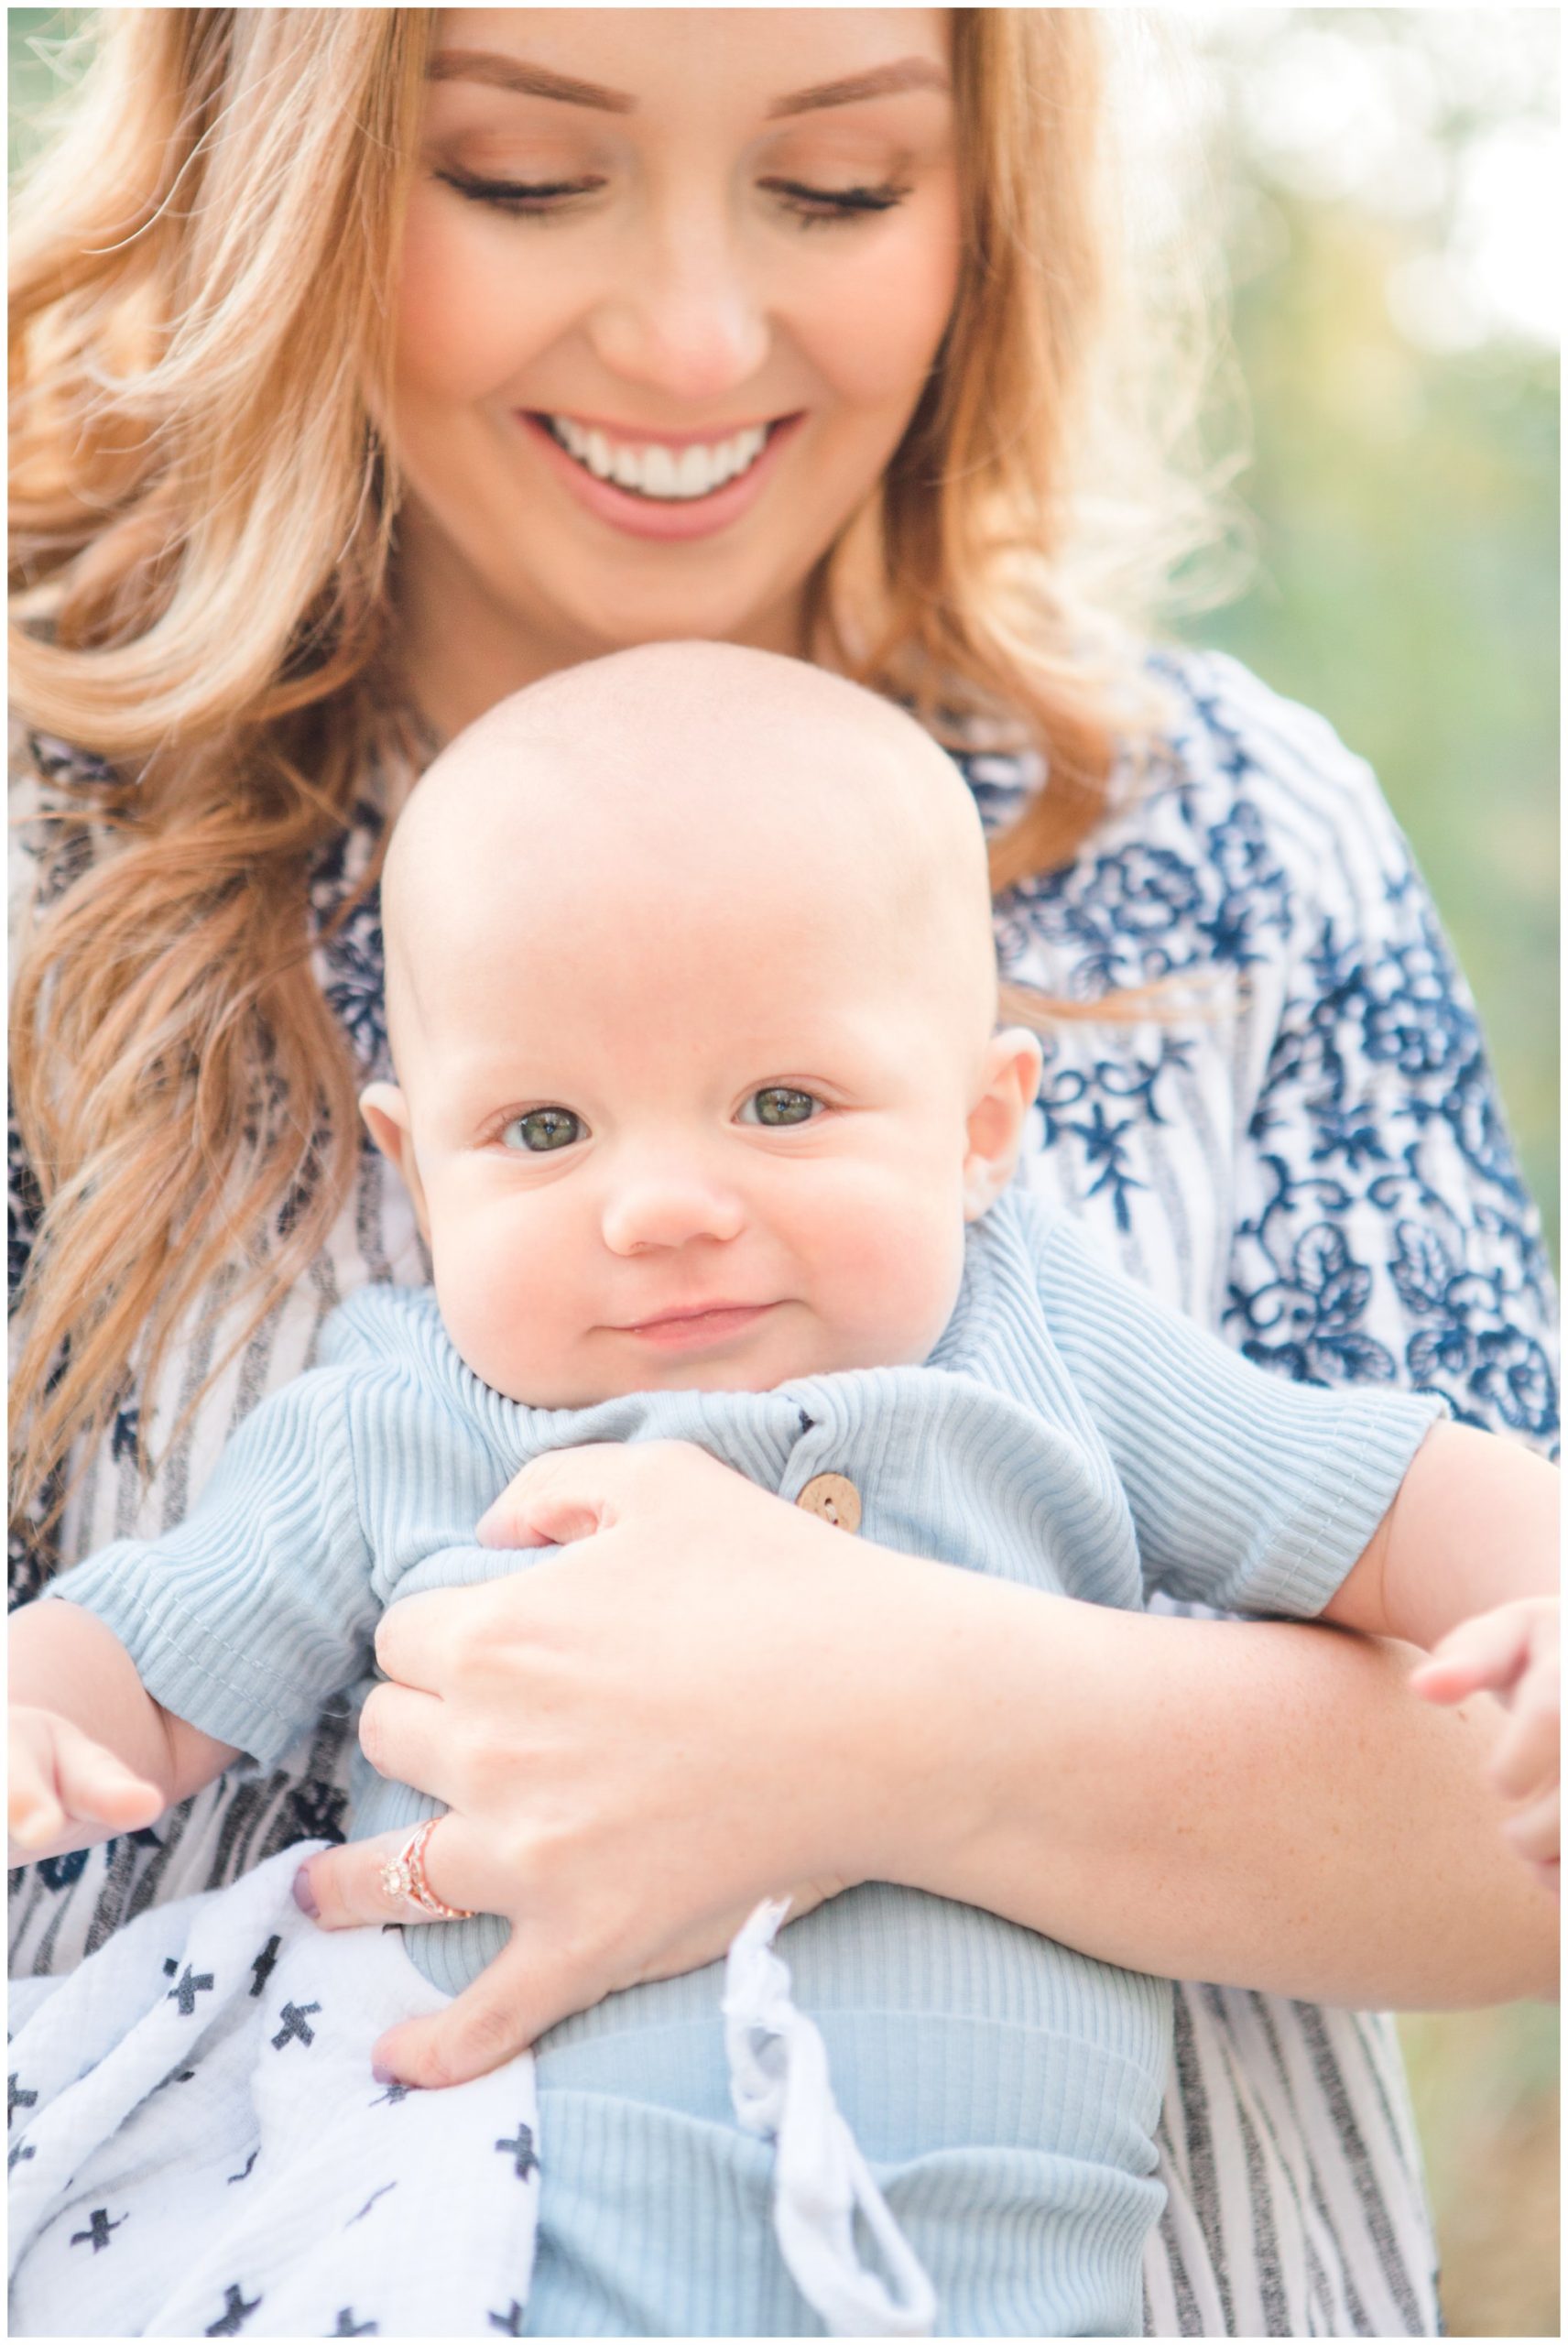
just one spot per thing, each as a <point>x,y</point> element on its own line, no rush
<point>681,791</point>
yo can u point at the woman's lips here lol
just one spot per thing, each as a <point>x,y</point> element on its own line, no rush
<point>697,1330</point>
<point>644,517</point>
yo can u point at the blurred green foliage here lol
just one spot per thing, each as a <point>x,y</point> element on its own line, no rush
<point>1405,501</point>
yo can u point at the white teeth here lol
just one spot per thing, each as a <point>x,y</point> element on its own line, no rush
<point>695,473</point>
<point>655,470</point>
<point>659,477</point>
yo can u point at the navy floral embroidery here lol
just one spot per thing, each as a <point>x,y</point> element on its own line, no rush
<point>1384,1233</point>
<point>350,953</point>
<point>1315,1314</point>
<point>1096,1089</point>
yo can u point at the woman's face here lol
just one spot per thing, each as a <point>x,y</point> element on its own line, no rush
<point>673,282</point>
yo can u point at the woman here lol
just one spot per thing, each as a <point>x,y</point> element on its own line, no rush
<point>512,337</point>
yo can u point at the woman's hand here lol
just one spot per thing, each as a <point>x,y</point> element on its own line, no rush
<point>714,1696</point>
<point>618,1732</point>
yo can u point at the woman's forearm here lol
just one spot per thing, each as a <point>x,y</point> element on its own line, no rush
<point>1256,1803</point>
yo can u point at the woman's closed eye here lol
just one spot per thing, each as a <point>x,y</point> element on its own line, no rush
<point>542,1129</point>
<point>546,198</point>
<point>777,1105</point>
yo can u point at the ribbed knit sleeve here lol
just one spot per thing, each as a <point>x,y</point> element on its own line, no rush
<point>247,1618</point>
<point>1247,1491</point>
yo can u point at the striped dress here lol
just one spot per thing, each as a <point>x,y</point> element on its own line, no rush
<point>1315,1167</point>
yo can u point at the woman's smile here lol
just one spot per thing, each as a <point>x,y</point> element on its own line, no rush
<point>670,485</point>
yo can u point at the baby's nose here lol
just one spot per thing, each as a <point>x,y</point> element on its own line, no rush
<point>666,1206</point>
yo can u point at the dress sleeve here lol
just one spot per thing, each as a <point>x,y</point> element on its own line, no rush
<point>249,1616</point>
<point>1384,1235</point>
<point>1247,1492</point>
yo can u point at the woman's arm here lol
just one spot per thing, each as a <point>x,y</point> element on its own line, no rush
<point>712,1696</point>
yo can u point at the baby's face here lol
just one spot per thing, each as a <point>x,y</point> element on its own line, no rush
<point>680,1107</point>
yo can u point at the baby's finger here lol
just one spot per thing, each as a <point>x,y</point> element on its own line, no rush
<point>1528,1758</point>
<point>1486,1652</point>
<point>1537,1831</point>
<point>35,1819</point>
<point>94,1787</point>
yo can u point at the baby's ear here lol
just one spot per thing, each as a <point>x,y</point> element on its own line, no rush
<point>1010,1078</point>
<point>386,1118</point>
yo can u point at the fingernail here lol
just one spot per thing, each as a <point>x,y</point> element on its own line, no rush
<point>383,2076</point>
<point>304,1895</point>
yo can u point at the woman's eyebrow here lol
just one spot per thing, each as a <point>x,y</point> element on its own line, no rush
<point>537,81</point>
<point>525,81</point>
<point>881,81</point>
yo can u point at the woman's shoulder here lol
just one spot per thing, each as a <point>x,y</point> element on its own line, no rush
<point>1219,753</point>
<point>1241,825</point>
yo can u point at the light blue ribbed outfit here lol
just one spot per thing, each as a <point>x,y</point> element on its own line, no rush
<point>1069,1432</point>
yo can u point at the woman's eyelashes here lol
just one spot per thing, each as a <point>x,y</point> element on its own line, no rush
<point>551,199</point>
<point>543,1130</point>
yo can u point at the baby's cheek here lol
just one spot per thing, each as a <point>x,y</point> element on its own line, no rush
<point>498,1310</point>
<point>898,1279</point>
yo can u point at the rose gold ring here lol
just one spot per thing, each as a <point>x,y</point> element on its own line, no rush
<point>405,1878</point>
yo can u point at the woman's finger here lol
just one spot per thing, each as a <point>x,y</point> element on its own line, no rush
<point>417,1637</point>
<point>345,1889</point>
<point>571,1494</point>
<point>1537,1831</point>
<point>406,1736</point>
<point>509,2006</point>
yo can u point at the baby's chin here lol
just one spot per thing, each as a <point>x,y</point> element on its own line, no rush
<point>753,1359</point>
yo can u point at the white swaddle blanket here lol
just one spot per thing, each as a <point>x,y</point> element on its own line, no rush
<point>197,2146</point>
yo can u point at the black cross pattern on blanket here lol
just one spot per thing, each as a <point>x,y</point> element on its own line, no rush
<point>294,2017</point>
<point>264,1966</point>
<point>522,2150</point>
<point>189,1987</point>
<point>235,2315</point>
<point>370,2201</point>
<point>98,2229</point>
<point>348,2327</point>
<point>17,2097</point>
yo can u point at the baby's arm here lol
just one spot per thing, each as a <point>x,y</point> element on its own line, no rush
<point>90,1752</point>
<point>1474,1520</point>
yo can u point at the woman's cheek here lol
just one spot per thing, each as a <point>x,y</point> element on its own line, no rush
<point>874,336</point>
<point>468,320</point>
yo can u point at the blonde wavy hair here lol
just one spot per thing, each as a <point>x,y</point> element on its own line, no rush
<point>201,579</point>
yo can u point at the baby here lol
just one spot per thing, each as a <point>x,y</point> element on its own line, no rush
<point>702,1105</point>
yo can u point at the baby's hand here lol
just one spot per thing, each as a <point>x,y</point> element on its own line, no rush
<point>65,1788</point>
<point>1512,1652</point>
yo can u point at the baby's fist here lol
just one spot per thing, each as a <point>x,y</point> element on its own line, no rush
<point>64,1788</point>
<point>1513,1653</point>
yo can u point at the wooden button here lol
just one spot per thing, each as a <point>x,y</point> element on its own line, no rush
<point>833,1499</point>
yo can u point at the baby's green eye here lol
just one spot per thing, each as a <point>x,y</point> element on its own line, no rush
<point>542,1129</point>
<point>776,1106</point>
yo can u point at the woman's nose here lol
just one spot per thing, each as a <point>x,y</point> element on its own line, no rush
<point>685,319</point>
<point>666,1206</point>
